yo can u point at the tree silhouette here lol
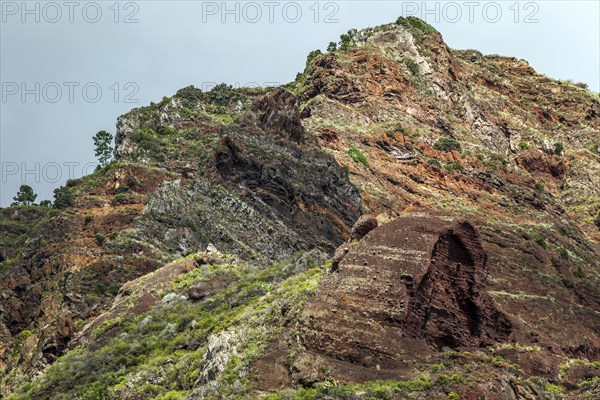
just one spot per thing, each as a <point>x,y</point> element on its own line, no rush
<point>25,196</point>
<point>102,147</point>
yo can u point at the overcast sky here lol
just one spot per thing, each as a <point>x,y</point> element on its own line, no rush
<point>69,69</point>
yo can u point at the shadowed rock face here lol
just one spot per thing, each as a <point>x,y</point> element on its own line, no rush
<point>448,303</point>
<point>409,287</point>
<point>535,161</point>
<point>302,185</point>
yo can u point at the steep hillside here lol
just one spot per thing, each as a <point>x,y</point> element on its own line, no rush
<point>198,263</point>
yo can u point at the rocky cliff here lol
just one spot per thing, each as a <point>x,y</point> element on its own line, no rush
<point>197,264</point>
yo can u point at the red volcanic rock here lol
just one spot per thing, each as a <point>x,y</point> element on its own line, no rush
<point>536,161</point>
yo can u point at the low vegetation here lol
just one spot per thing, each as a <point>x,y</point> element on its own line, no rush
<point>165,346</point>
<point>447,144</point>
<point>358,156</point>
<point>419,28</point>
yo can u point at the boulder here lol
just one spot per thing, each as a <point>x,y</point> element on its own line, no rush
<point>208,288</point>
<point>339,255</point>
<point>365,224</point>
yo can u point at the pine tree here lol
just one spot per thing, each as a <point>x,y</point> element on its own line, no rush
<point>102,147</point>
<point>25,196</point>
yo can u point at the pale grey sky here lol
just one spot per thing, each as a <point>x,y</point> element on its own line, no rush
<point>66,53</point>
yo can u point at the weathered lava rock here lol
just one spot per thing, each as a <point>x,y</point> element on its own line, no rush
<point>277,112</point>
<point>365,224</point>
<point>301,185</point>
<point>209,288</point>
<point>413,286</point>
<point>339,255</point>
<point>536,161</point>
<point>323,79</point>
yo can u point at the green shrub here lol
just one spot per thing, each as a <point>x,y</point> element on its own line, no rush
<point>345,42</point>
<point>398,127</point>
<point>87,219</point>
<point>223,94</point>
<point>46,203</point>
<point>453,396</point>
<point>166,130</point>
<point>312,55</point>
<point>435,368</point>
<point>447,144</point>
<point>63,197</point>
<point>358,156</point>
<point>590,384</point>
<point>190,95</point>
<point>539,239</point>
<point>497,158</point>
<point>455,166</point>
<point>558,148</point>
<point>412,66</point>
<point>173,395</point>
<point>523,145</point>
<point>122,189</point>
<point>448,380</point>
<point>416,26</point>
<point>331,47</point>
<point>434,162</point>
<point>100,238</point>
<point>554,389</point>
<point>526,103</point>
<point>539,186</point>
<point>25,334</point>
<point>563,253</point>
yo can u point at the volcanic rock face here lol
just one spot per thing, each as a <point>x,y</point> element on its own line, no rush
<point>302,185</point>
<point>409,287</point>
<point>278,113</point>
<point>448,304</point>
<point>260,192</point>
<point>536,161</point>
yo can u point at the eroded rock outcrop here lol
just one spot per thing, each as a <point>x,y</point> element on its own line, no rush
<point>278,113</point>
<point>412,286</point>
<point>535,161</point>
<point>302,185</point>
<point>365,224</point>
